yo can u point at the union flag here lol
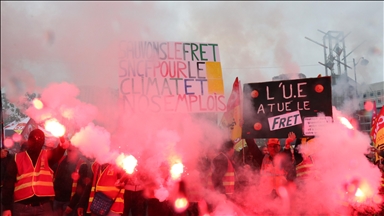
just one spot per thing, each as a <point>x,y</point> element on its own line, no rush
<point>233,118</point>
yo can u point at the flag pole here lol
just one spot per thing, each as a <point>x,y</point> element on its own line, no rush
<point>2,123</point>
<point>242,143</point>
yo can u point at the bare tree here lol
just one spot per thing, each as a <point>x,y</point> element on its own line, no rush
<point>11,112</point>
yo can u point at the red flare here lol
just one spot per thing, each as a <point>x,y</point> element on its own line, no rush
<point>345,122</point>
<point>368,105</point>
<point>176,170</point>
<point>16,137</point>
<point>8,143</point>
<point>54,127</point>
<point>75,176</point>
<point>128,163</point>
<point>37,104</point>
<point>181,204</point>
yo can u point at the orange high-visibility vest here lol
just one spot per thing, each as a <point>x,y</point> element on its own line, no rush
<point>32,180</point>
<point>304,169</point>
<point>229,178</point>
<point>105,183</point>
<point>273,177</point>
<point>382,179</point>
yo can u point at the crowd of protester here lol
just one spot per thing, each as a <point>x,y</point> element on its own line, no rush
<point>62,182</point>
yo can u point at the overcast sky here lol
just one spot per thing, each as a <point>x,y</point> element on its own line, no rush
<point>44,42</point>
<point>77,42</point>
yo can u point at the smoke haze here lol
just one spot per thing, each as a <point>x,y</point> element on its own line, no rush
<point>59,49</point>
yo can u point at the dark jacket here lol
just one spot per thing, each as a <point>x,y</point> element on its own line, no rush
<point>247,159</point>
<point>298,157</point>
<point>220,166</point>
<point>10,178</point>
<point>63,182</point>
<point>4,163</point>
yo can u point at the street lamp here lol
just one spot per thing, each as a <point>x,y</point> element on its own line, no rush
<point>363,62</point>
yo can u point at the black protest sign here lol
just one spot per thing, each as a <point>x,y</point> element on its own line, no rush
<point>280,107</point>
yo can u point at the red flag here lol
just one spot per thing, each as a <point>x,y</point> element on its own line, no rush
<point>373,119</point>
<point>232,118</point>
<point>234,98</point>
<point>378,132</point>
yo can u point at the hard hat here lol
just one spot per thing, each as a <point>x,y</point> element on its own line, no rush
<point>273,141</point>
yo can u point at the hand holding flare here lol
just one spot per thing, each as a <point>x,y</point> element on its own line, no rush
<point>57,130</point>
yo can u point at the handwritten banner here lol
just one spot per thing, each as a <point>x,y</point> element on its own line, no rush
<point>280,107</point>
<point>313,124</point>
<point>170,77</point>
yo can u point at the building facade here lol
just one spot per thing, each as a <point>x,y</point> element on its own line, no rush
<point>374,93</point>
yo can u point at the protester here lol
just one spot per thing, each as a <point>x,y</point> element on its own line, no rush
<point>264,150</point>
<point>380,165</point>
<point>304,161</point>
<point>29,178</point>
<point>245,158</point>
<point>197,183</point>
<point>277,167</point>
<point>155,207</point>
<point>380,152</point>
<point>105,180</point>
<point>134,200</point>
<point>381,190</point>
<point>158,205</point>
<point>160,192</point>
<point>5,158</point>
<point>68,188</point>
<point>223,176</point>
<point>370,155</point>
<point>87,180</point>
<point>205,168</point>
